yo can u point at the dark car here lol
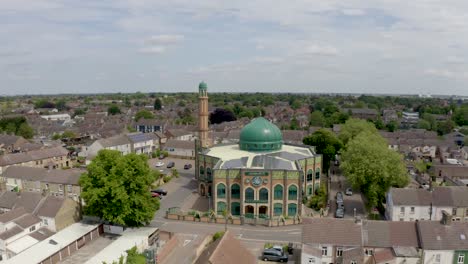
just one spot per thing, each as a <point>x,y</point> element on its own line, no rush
<point>187,166</point>
<point>339,197</point>
<point>274,255</point>
<point>159,191</point>
<point>170,164</point>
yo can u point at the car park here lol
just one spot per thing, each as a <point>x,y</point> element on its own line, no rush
<point>159,164</point>
<point>349,192</point>
<point>170,164</point>
<point>274,255</point>
<point>159,191</point>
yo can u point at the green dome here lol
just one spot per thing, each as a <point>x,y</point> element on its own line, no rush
<point>260,135</point>
<point>202,86</point>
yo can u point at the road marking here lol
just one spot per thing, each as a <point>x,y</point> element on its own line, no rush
<point>186,242</point>
<point>294,233</point>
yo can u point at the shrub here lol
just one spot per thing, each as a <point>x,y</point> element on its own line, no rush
<point>218,235</point>
<point>166,179</point>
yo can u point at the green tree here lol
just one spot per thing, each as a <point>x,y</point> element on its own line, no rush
<point>25,131</point>
<point>445,127</point>
<point>460,116</point>
<point>69,134</point>
<point>379,123</point>
<point>145,114</point>
<point>116,189</point>
<point>133,257</point>
<point>424,124</point>
<point>392,126</point>
<point>369,165</point>
<point>317,119</point>
<point>113,109</point>
<point>326,143</point>
<point>294,124</point>
<point>10,129</point>
<point>157,104</point>
<point>354,127</point>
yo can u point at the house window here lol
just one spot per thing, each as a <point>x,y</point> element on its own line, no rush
<point>45,222</point>
<point>60,188</point>
<point>369,252</point>
<point>324,251</point>
<point>454,211</point>
<point>278,209</point>
<point>221,190</point>
<point>263,194</point>
<point>339,252</point>
<point>32,228</point>
<point>310,174</point>
<point>461,258</point>
<point>311,260</point>
<point>69,188</point>
<point>292,192</point>
<point>401,219</point>
<point>235,191</point>
<point>437,258</point>
<point>412,210</point>
<point>249,194</point>
<point>317,173</point>
<point>402,210</point>
<point>411,219</point>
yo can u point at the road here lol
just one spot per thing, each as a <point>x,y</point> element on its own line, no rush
<point>350,202</point>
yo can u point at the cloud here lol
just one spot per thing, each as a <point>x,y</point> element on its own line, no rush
<point>153,49</point>
<point>353,12</point>
<point>321,50</point>
<point>164,39</point>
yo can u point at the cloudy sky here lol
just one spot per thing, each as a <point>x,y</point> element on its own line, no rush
<point>360,46</point>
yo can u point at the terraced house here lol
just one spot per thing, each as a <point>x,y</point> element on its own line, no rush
<point>56,157</point>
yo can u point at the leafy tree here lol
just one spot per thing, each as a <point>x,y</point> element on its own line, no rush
<point>10,129</point>
<point>337,118</point>
<point>354,127</point>
<point>56,136</point>
<point>392,126</point>
<point>157,104</point>
<point>379,123</point>
<point>116,189</point>
<point>113,109</point>
<point>79,111</point>
<point>221,115</point>
<point>69,134</point>
<point>296,104</point>
<point>317,119</point>
<point>25,131</point>
<point>44,103</point>
<point>424,124</point>
<point>460,116</point>
<point>445,127</point>
<point>369,165</point>
<point>326,143</point>
<point>145,114</point>
<point>61,105</point>
<point>133,257</point>
<point>319,200</point>
<point>464,131</point>
<point>294,124</point>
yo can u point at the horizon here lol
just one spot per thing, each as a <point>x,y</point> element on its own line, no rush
<point>359,47</point>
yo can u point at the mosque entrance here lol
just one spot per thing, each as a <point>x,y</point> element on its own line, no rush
<point>249,211</point>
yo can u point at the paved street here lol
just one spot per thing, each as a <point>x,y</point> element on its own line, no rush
<point>350,202</point>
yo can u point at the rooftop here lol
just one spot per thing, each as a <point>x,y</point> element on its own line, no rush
<point>233,157</point>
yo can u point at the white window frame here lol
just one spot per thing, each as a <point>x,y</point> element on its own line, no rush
<point>324,251</point>
<point>437,258</point>
<point>339,252</point>
<point>412,210</point>
<point>461,258</point>
<point>402,210</point>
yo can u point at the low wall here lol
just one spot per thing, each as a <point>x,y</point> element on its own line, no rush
<point>235,220</point>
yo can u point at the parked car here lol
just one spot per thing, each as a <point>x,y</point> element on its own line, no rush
<point>274,255</point>
<point>161,156</point>
<point>339,197</point>
<point>339,213</point>
<point>159,191</point>
<point>349,192</point>
<point>187,166</point>
<point>159,164</point>
<point>156,195</point>
<point>279,248</point>
<point>170,164</point>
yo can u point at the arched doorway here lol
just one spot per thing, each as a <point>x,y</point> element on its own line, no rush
<point>202,190</point>
<point>249,211</point>
<point>263,211</point>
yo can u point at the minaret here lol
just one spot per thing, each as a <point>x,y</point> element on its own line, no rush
<point>203,115</point>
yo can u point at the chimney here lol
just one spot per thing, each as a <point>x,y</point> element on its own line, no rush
<point>446,218</point>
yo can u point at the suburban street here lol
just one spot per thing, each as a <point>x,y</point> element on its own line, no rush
<point>339,184</point>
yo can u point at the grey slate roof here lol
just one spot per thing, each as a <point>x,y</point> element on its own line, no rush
<point>436,236</point>
<point>331,231</point>
<point>401,196</point>
<point>390,234</point>
<point>27,220</point>
<point>50,207</point>
<point>8,199</point>
<point>179,144</point>
<point>41,234</point>
<point>114,141</point>
<point>70,176</point>
<point>25,173</point>
<point>456,196</point>
<point>10,232</point>
<point>12,215</point>
<point>28,200</point>
<point>11,159</point>
<point>141,137</point>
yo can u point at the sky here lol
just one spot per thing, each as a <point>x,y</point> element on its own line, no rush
<point>316,46</point>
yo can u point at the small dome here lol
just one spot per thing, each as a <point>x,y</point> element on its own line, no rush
<point>260,135</point>
<point>202,86</point>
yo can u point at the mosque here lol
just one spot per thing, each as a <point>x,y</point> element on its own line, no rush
<point>260,177</point>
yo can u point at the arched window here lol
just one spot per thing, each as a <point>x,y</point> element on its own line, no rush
<point>221,190</point>
<point>278,192</point>
<point>292,209</point>
<point>235,208</point>
<point>309,190</point>
<point>277,209</point>
<point>263,194</point>
<point>202,170</point>
<point>221,206</point>
<point>310,174</point>
<point>208,174</point>
<point>292,192</point>
<point>316,187</point>
<point>249,194</point>
<point>235,191</point>
<point>317,173</point>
